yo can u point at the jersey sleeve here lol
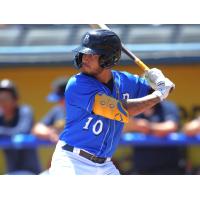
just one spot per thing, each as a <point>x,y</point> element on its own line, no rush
<point>48,119</point>
<point>55,117</point>
<point>80,92</point>
<point>135,85</point>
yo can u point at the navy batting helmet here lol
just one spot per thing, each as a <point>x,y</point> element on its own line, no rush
<point>100,42</point>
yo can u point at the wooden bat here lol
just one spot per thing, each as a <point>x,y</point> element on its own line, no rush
<point>124,49</point>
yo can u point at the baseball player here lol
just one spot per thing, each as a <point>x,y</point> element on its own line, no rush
<point>53,122</point>
<point>99,101</point>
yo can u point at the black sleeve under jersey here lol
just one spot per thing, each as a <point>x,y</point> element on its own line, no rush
<point>151,91</point>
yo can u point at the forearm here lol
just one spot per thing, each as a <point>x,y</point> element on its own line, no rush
<point>163,128</point>
<point>130,126</point>
<point>137,106</point>
<point>41,131</point>
<point>44,132</point>
<point>192,127</point>
<point>137,125</point>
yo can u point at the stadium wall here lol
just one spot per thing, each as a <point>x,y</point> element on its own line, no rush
<point>34,84</point>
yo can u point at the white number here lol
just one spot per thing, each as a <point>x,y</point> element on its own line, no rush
<point>88,123</point>
<point>96,128</point>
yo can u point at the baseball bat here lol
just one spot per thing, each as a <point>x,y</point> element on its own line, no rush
<point>136,60</point>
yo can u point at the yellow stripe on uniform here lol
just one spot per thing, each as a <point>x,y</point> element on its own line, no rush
<point>110,108</point>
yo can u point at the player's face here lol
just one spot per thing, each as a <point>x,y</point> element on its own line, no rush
<point>90,64</point>
<point>7,102</point>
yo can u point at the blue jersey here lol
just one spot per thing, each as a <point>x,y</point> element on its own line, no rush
<point>94,133</point>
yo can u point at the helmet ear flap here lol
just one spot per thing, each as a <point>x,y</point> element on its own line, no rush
<point>78,60</point>
<point>102,60</point>
<point>106,61</point>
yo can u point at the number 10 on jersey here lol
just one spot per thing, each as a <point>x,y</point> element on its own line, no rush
<point>97,127</point>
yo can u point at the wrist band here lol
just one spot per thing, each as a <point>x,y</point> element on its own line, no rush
<point>158,94</point>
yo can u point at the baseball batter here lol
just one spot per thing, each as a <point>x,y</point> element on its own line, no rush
<point>98,103</point>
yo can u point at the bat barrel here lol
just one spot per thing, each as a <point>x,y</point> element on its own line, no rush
<point>141,65</point>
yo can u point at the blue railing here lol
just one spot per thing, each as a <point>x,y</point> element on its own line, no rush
<point>134,139</point>
<point>22,141</point>
<point>173,139</point>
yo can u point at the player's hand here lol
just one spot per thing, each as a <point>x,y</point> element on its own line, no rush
<point>163,90</point>
<point>155,78</point>
<point>53,135</point>
<point>143,126</point>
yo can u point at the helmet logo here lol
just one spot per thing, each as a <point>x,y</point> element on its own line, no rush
<point>86,39</point>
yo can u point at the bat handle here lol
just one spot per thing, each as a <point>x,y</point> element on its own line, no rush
<point>141,64</point>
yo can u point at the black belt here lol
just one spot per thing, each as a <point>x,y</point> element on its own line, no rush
<point>85,154</point>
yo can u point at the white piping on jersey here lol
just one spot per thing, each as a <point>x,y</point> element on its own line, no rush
<point>108,127</point>
<point>104,139</point>
<point>113,134</point>
<point>89,105</point>
<point>118,98</point>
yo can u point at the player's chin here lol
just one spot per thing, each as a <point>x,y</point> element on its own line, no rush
<point>85,70</point>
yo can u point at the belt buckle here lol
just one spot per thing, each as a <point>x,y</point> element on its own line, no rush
<point>97,160</point>
<point>93,158</point>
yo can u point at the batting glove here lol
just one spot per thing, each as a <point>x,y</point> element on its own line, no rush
<point>155,78</point>
<point>163,90</point>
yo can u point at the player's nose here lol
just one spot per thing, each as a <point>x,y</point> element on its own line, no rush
<point>86,57</point>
